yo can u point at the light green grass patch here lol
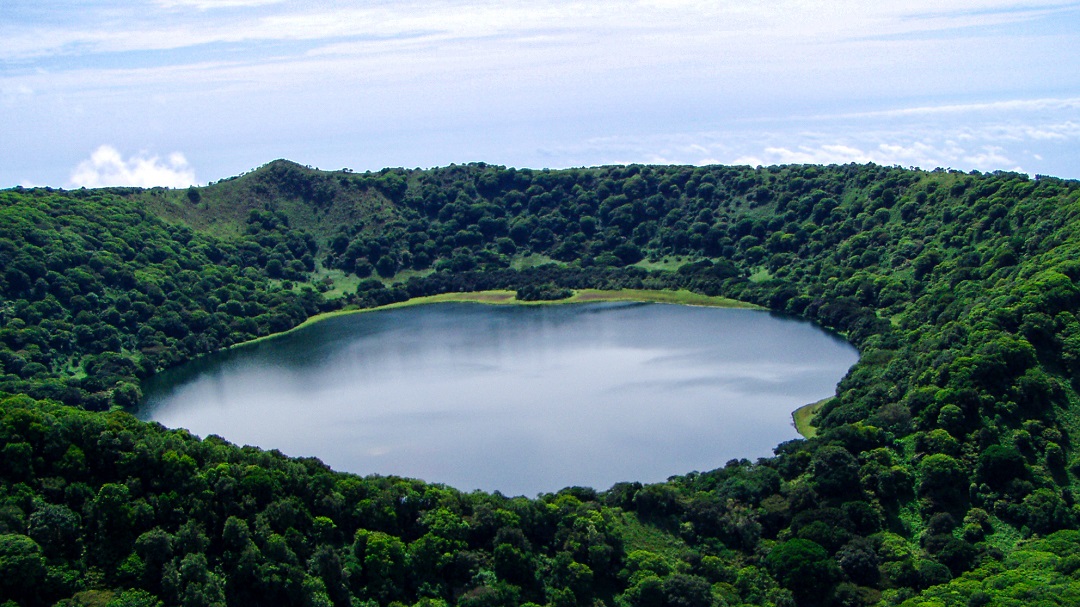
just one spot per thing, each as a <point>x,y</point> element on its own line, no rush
<point>1003,536</point>
<point>804,417</point>
<point>668,263</point>
<point>641,536</point>
<point>760,275</point>
<point>521,262</point>
<point>346,283</point>
<point>683,297</point>
<point>405,275</point>
<point>509,297</point>
<point>343,283</point>
<point>912,521</point>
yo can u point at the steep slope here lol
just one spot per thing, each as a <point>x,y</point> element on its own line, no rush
<point>314,201</point>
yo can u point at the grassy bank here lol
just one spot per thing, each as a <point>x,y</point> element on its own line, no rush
<point>681,297</point>
<point>804,418</point>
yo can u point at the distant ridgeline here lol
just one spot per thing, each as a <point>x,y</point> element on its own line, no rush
<point>943,472</point>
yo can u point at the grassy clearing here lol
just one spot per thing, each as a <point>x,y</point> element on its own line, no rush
<point>405,275</point>
<point>484,297</point>
<point>342,284</point>
<point>804,418</point>
<point>1004,537</point>
<point>346,283</point>
<point>912,524</point>
<point>669,263</point>
<point>643,536</point>
<point>760,275</point>
<point>522,262</point>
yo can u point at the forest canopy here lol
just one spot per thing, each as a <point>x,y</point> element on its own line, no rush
<point>943,472</point>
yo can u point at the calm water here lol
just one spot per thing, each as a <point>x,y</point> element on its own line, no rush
<point>512,398</point>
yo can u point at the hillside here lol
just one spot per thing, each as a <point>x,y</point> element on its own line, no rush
<point>944,471</point>
<point>314,201</point>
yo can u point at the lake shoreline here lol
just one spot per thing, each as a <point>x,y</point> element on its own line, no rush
<point>507,297</point>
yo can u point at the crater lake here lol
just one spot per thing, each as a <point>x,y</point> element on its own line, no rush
<point>518,399</point>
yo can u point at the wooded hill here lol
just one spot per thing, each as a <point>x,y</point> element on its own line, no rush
<point>943,473</point>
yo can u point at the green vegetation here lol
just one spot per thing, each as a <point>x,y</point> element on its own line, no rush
<point>97,294</point>
<point>943,472</point>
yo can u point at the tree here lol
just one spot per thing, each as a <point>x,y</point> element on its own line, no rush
<point>383,559</point>
<point>135,598</point>
<point>681,590</point>
<point>56,528</point>
<point>999,464</point>
<point>943,479</point>
<point>22,568</point>
<point>836,471</point>
<point>127,396</point>
<point>859,561</point>
<point>803,567</point>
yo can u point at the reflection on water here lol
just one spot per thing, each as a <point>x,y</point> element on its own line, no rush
<point>511,398</point>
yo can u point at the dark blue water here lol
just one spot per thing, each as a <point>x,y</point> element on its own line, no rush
<point>513,398</point>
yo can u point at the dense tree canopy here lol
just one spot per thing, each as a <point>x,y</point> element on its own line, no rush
<point>943,472</point>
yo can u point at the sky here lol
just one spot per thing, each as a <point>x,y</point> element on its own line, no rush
<point>179,92</point>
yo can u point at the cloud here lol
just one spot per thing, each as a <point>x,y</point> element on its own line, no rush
<point>1036,135</point>
<point>825,154</point>
<point>1011,105</point>
<point>990,136</point>
<point>204,5</point>
<point>1015,143</point>
<point>106,167</point>
<point>738,23</point>
<point>925,154</point>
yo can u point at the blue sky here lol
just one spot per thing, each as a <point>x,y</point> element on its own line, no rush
<point>172,92</point>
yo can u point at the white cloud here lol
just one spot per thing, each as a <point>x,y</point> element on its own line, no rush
<point>762,49</point>
<point>1011,105</point>
<point>824,154</point>
<point>735,24</point>
<point>900,151</point>
<point>985,147</point>
<point>1014,135</point>
<point>924,154</point>
<point>106,167</point>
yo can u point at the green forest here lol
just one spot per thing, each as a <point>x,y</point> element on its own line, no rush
<point>943,473</point>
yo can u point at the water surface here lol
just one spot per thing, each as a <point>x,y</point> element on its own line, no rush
<point>519,399</point>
